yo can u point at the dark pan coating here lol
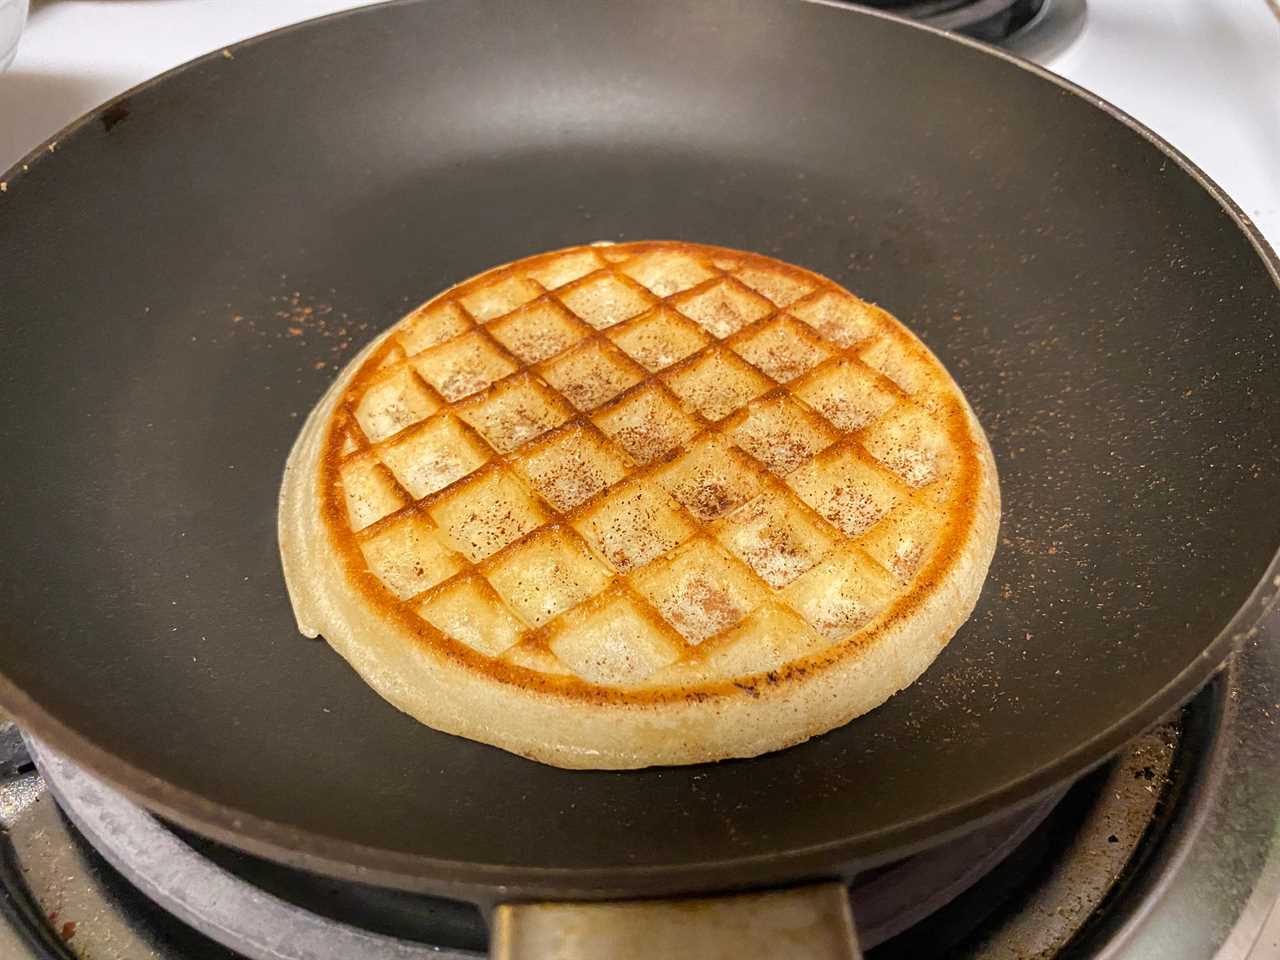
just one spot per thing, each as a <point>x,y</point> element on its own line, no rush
<point>183,275</point>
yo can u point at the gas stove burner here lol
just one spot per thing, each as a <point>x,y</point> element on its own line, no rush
<point>990,20</point>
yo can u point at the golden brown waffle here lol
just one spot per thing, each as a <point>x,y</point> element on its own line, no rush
<point>640,503</point>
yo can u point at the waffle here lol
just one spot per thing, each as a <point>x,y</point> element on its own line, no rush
<point>635,504</point>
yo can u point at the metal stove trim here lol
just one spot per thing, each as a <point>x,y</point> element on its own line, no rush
<point>203,894</point>
<point>1214,880</point>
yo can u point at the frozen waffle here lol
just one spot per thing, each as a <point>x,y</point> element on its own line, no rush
<point>634,504</point>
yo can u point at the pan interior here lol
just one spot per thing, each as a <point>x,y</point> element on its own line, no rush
<point>183,278</point>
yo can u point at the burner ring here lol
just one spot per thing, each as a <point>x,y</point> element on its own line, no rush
<point>203,894</point>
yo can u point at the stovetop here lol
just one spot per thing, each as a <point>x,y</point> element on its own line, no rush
<point>1172,850</point>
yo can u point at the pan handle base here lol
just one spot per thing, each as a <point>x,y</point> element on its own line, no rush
<point>801,923</point>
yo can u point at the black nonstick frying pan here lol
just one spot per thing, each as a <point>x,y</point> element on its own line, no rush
<point>185,271</point>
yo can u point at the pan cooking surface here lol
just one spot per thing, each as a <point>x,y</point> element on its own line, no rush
<point>184,275</point>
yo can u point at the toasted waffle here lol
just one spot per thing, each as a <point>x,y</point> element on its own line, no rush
<point>635,504</point>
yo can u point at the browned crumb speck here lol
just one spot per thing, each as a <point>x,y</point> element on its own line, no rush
<point>315,326</point>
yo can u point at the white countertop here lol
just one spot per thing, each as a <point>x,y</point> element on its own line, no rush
<point>1204,74</point>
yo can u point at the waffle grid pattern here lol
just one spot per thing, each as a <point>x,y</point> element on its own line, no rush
<point>642,465</point>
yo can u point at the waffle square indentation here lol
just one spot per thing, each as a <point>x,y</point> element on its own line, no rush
<point>467,610</point>
<point>782,349</point>
<point>566,268</point>
<point>499,297</point>
<point>605,300</point>
<point>841,593</point>
<point>370,492</point>
<point>547,575</point>
<point>593,374</point>
<point>393,403</point>
<point>634,524</point>
<point>463,366</point>
<point>780,288</point>
<point>515,412</point>
<point>724,308</point>
<point>572,466</point>
<point>851,495</point>
<point>408,557</point>
<point>647,424</point>
<point>774,538</point>
<point>431,325</point>
<point>911,443</point>
<point>839,317</point>
<point>701,591</point>
<point>486,512</point>
<point>613,644</point>
<point>659,338</point>
<point>781,434</point>
<point>665,272</point>
<point>847,394</point>
<point>434,455</point>
<point>711,478</point>
<point>717,383</point>
<point>539,330</point>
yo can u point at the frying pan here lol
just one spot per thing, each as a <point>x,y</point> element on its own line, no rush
<point>186,268</point>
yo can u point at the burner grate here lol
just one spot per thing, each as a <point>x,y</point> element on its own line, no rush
<point>990,20</point>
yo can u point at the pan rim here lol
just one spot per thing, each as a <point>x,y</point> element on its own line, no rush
<point>487,882</point>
